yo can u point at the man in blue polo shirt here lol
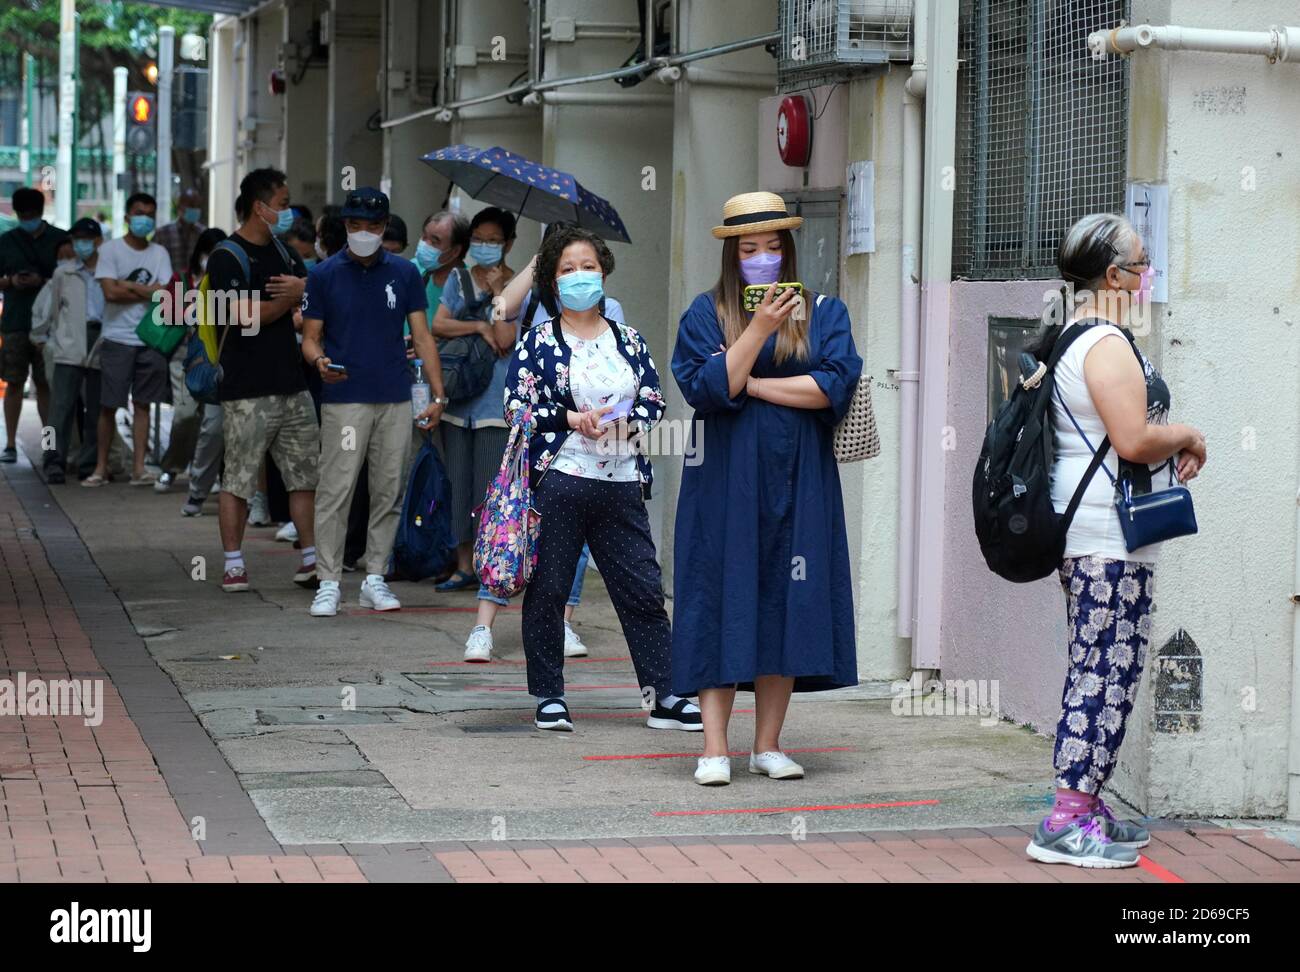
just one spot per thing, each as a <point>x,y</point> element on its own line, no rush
<point>353,313</point>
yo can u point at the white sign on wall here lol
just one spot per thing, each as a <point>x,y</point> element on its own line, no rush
<point>861,192</point>
<point>1147,208</point>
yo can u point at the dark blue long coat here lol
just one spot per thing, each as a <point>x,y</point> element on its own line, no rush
<point>761,561</point>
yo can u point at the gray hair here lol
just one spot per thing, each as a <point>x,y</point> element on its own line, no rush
<point>459,227</point>
<point>1095,242</point>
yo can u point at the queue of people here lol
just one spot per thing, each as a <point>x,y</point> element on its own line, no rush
<point>763,600</point>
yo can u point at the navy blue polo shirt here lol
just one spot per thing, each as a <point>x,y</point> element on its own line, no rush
<point>364,309</point>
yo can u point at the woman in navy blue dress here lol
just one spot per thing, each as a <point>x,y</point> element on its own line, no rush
<point>763,598</point>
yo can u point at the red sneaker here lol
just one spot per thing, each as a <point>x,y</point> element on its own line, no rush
<point>235,580</point>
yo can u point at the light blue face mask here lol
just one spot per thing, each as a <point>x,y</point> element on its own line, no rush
<point>581,290</point>
<point>84,249</point>
<point>427,256</point>
<point>486,254</point>
<point>191,214</point>
<point>309,262</point>
<point>141,226</point>
<point>283,221</point>
<point>30,225</point>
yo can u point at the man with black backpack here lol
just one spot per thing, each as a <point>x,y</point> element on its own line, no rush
<point>265,405</point>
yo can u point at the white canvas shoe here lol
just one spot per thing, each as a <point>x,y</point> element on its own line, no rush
<point>287,533</point>
<point>376,595</point>
<point>777,766</point>
<point>326,602</point>
<point>573,646</point>
<point>713,770</point>
<point>478,647</point>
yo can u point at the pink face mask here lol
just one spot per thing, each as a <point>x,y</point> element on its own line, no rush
<point>1143,293</point>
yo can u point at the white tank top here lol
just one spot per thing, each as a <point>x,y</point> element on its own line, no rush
<point>1095,529</point>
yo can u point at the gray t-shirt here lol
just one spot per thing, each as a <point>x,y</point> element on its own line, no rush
<point>118,260</point>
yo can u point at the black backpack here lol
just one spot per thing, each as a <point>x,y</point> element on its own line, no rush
<point>1021,535</point>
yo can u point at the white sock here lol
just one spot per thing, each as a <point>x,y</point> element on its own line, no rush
<point>234,558</point>
<point>309,556</point>
<point>668,701</point>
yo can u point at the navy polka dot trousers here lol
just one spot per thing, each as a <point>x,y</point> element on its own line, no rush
<point>611,518</point>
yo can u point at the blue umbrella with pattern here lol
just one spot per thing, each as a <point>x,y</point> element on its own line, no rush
<point>512,182</point>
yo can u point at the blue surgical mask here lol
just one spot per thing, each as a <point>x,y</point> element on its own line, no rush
<point>427,256</point>
<point>141,226</point>
<point>309,262</point>
<point>84,249</point>
<point>486,254</point>
<point>581,290</point>
<point>191,214</point>
<point>30,225</point>
<point>283,221</point>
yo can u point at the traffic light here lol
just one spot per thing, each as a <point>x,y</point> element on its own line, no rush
<point>141,125</point>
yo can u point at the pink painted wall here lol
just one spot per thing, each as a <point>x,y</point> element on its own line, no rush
<point>992,629</point>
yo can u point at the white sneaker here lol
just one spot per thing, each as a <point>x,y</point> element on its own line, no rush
<point>478,647</point>
<point>713,771</point>
<point>573,646</point>
<point>259,514</point>
<point>287,533</point>
<point>164,483</point>
<point>376,595</point>
<point>326,602</point>
<point>778,766</point>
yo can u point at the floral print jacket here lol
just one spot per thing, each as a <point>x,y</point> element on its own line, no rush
<point>538,378</point>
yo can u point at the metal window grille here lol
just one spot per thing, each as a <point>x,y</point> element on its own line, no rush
<point>1042,132</point>
<point>829,40</point>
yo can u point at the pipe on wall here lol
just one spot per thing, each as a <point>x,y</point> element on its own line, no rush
<point>936,287</point>
<point>908,375</point>
<point>1293,776</point>
<point>1276,43</point>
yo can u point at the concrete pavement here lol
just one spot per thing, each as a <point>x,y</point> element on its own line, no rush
<point>364,739</point>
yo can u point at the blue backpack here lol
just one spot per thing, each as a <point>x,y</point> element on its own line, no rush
<point>425,545</point>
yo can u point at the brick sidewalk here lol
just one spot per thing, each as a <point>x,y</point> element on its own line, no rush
<point>89,804</point>
<point>81,803</point>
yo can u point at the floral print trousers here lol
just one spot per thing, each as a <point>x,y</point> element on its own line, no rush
<point>1109,620</point>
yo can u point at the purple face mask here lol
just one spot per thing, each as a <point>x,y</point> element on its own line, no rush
<point>761,268</point>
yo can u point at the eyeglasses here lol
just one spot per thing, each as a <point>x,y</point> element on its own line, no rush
<point>1142,264</point>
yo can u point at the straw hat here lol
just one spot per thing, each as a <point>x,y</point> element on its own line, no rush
<point>755,212</point>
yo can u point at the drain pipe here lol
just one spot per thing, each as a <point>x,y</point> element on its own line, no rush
<point>909,290</point>
<point>1276,43</point>
<point>1293,781</point>
<point>936,288</point>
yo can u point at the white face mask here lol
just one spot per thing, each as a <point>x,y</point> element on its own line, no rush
<point>363,244</point>
<point>320,251</point>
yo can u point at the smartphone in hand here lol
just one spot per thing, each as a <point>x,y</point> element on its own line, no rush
<point>340,369</point>
<point>754,293</point>
<point>619,411</point>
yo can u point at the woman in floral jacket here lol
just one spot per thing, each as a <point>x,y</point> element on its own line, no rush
<point>592,391</point>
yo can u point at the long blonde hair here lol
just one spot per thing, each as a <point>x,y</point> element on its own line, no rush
<point>728,299</point>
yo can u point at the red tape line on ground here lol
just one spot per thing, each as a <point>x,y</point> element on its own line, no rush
<point>809,809</point>
<point>1164,874</point>
<point>624,715</point>
<point>823,749</point>
<point>429,610</point>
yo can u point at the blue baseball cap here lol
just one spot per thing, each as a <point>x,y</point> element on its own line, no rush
<point>365,203</point>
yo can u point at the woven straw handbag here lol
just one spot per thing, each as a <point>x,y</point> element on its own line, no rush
<point>856,437</point>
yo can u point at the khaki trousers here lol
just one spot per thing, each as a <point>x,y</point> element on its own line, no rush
<point>350,434</point>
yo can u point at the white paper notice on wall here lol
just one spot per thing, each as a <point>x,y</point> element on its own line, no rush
<point>861,185</point>
<point>1147,208</point>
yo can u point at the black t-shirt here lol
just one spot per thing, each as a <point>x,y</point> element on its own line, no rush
<point>270,361</point>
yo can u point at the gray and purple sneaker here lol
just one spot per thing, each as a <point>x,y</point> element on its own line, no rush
<point>1083,843</point>
<point>1121,831</point>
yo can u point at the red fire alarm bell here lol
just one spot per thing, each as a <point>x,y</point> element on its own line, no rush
<point>794,131</point>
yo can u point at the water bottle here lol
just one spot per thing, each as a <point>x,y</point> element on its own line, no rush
<point>420,396</point>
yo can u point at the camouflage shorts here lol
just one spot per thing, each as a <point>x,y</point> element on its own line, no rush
<point>285,426</point>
